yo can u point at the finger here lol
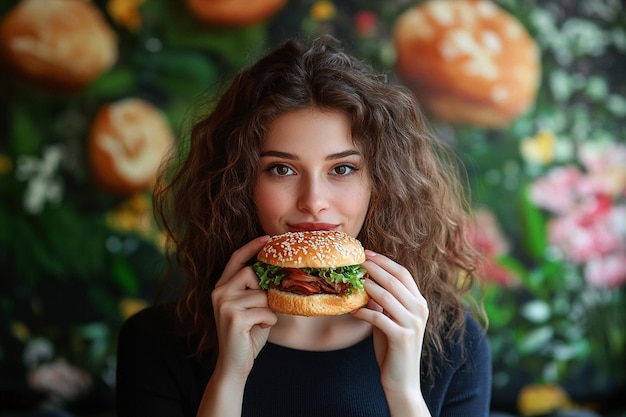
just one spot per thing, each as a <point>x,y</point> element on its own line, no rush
<point>390,317</point>
<point>391,292</point>
<point>241,284</point>
<point>374,315</point>
<point>394,269</point>
<point>248,318</point>
<point>240,258</point>
<point>244,312</point>
<point>387,304</point>
<point>243,300</point>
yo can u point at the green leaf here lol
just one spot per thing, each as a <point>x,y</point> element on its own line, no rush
<point>26,135</point>
<point>183,74</point>
<point>536,339</point>
<point>272,274</point>
<point>514,265</point>
<point>124,276</point>
<point>232,45</point>
<point>117,82</point>
<point>534,233</point>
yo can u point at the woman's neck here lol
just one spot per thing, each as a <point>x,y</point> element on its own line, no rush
<point>318,333</point>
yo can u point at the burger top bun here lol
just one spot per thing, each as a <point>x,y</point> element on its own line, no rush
<point>467,61</point>
<point>60,45</point>
<point>128,140</point>
<point>235,12</point>
<point>312,249</point>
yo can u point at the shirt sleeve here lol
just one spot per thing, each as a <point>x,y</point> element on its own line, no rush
<point>147,372</point>
<point>469,391</point>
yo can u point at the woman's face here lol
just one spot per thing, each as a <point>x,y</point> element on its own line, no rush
<point>312,176</point>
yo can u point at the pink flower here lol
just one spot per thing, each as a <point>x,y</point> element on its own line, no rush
<point>593,209</point>
<point>486,235</point>
<point>608,271</point>
<point>606,169</point>
<point>366,23</point>
<point>487,238</point>
<point>594,229</point>
<point>601,158</point>
<point>558,190</point>
<point>60,380</point>
<point>493,272</point>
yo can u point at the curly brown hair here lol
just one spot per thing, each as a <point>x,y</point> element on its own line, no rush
<point>417,210</point>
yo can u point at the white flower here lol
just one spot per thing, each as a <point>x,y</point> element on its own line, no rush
<point>37,350</point>
<point>44,184</point>
<point>537,311</point>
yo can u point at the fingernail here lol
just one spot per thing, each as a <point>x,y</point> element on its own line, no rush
<point>370,253</point>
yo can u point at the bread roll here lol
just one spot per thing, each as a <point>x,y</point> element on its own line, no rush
<point>128,140</point>
<point>313,249</point>
<point>315,305</point>
<point>467,61</point>
<point>61,45</point>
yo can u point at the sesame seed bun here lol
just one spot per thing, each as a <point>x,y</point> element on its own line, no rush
<point>319,250</point>
<point>313,249</point>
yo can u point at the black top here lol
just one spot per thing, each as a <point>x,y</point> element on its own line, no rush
<point>157,376</point>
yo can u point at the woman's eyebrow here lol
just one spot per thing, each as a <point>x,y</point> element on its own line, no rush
<point>286,155</point>
<point>343,154</point>
<point>279,154</point>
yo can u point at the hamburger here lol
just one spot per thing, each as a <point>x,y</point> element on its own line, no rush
<point>312,273</point>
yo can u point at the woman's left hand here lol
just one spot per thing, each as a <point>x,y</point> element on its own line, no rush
<point>398,312</point>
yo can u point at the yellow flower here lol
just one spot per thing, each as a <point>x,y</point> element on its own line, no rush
<point>538,400</point>
<point>20,331</point>
<point>616,180</point>
<point>132,215</point>
<point>5,164</point>
<point>126,13</point>
<point>539,148</point>
<point>130,306</point>
<point>323,10</point>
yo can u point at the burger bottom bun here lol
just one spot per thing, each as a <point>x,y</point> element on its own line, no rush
<point>315,305</point>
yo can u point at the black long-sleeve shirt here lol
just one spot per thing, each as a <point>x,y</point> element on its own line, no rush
<point>158,376</point>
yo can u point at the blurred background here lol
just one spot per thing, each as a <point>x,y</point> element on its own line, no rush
<point>531,94</point>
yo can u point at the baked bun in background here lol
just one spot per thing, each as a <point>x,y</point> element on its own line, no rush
<point>315,273</point>
<point>128,140</point>
<point>235,13</point>
<point>467,61</point>
<point>60,45</point>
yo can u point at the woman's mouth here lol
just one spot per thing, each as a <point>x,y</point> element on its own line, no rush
<point>308,226</point>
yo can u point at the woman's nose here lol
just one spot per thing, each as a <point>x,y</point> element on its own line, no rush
<point>313,196</point>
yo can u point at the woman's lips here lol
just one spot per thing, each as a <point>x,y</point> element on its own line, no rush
<point>305,227</point>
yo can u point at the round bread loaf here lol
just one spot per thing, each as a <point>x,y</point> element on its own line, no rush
<point>235,12</point>
<point>315,305</point>
<point>60,45</point>
<point>467,61</point>
<point>129,138</point>
<point>312,249</point>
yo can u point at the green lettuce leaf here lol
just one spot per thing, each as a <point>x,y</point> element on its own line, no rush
<point>272,274</point>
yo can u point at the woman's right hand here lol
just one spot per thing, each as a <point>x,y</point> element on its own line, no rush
<point>242,315</point>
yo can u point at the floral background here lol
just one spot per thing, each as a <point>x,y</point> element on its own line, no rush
<point>79,254</point>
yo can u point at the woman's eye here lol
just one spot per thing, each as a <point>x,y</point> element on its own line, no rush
<point>344,170</point>
<point>280,170</point>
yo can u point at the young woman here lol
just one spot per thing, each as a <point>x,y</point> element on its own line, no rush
<point>309,138</point>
